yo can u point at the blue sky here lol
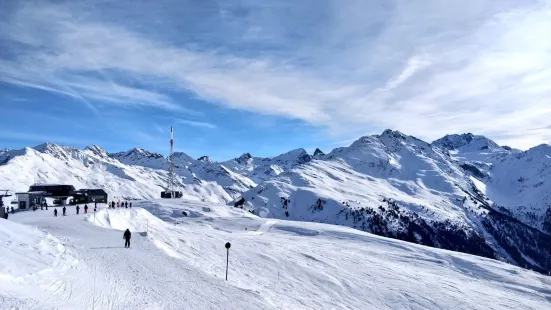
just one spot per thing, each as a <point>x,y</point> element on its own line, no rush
<point>266,77</point>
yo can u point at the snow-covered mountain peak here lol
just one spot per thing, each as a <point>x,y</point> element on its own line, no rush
<point>297,156</point>
<point>318,153</point>
<point>50,148</point>
<point>466,143</point>
<point>205,159</point>
<point>57,151</point>
<point>395,134</point>
<point>141,157</point>
<point>244,158</point>
<point>97,150</point>
<point>138,153</point>
<point>181,158</point>
<point>542,149</point>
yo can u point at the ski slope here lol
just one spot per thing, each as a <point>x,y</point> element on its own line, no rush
<point>178,262</point>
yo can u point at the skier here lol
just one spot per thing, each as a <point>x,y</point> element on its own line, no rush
<point>126,237</point>
<point>78,209</point>
<point>55,212</point>
<point>85,209</point>
<point>118,204</point>
<point>12,210</point>
<point>130,205</point>
<point>64,210</point>
<point>126,204</point>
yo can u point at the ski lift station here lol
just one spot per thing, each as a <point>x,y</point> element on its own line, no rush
<point>38,193</point>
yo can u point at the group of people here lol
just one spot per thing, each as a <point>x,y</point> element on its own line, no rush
<point>77,209</point>
<point>119,204</point>
<point>42,206</point>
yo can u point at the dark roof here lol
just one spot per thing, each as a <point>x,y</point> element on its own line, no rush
<point>34,192</point>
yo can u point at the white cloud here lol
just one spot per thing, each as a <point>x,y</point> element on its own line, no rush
<point>197,124</point>
<point>427,68</point>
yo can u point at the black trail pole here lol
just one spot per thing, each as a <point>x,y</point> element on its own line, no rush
<point>227,263</point>
<point>228,246</point>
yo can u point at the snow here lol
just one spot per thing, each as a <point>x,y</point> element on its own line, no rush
<point>479,185</point>
<point>178,262</point>
<point>93,168</point>
<point>453,182</point>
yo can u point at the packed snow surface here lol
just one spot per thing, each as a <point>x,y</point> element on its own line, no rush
<point>178,262</point>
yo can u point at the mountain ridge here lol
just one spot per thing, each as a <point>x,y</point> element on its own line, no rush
<point>460,192</point>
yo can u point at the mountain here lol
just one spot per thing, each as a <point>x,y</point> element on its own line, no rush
<point>93,167</point>
<point>401,187</point>
<point>141,157</point>
<point>461,192</point>
<point>318,154</point>
<point>261,169</point>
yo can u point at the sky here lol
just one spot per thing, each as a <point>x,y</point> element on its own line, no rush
<point>266,77</point>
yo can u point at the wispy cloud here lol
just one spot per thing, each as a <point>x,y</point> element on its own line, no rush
<point>158,128</point>
<point>40,138</point>
<point>197,124</point>
<point>345,66</point>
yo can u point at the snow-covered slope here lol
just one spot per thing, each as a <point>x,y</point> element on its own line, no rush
<point>398,186</point>
<point>94,168</point>
<point>75,262</point>
<point>461,192</point>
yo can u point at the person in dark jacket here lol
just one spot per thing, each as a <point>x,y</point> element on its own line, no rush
<point>55,212</point>
<point>78,209</point>
<point>130,205</point>
<point>126,237</point>
<point>64,210</point>
<point>85,209</point>
<point>12,210</point>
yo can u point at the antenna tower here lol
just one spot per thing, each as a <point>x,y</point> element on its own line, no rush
<point>170,185</point>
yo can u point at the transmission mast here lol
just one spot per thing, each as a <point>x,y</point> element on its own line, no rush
<point>170,185</point>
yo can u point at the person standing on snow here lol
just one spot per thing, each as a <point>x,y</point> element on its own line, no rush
<point>130,205</point>
<point>126,237</point>
<point>85,209</point>
<point>64,210</point>
<point>78,209</point>
<point>55,212</point>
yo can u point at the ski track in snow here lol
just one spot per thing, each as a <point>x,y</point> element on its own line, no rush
<point>78,262</point>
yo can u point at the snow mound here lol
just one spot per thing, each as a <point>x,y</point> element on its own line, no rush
<point>32,267</point>
<point>136,219</point>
